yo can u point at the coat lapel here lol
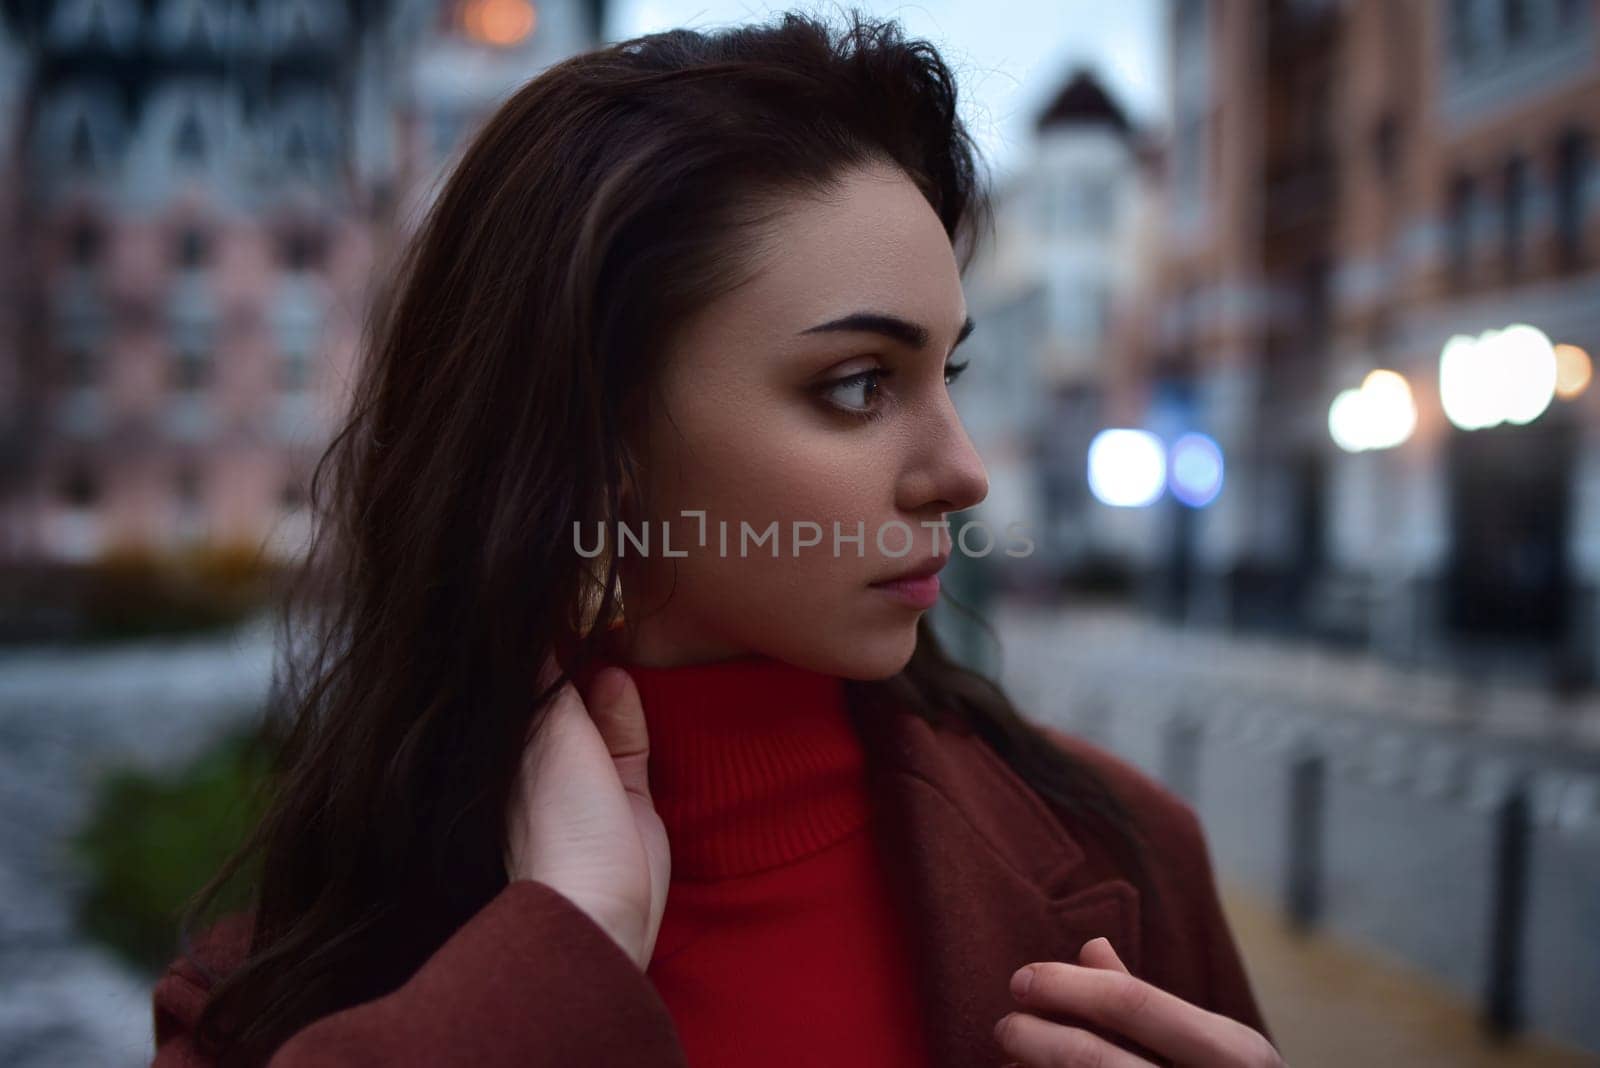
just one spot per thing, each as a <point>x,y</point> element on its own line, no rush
<point>992,880</point>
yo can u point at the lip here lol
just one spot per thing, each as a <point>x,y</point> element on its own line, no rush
<point>917,592</point>
<point>917,587</point>
<point>926,569</point>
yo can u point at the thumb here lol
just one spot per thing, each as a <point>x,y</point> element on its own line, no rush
<point>1098,953</point>
<point>619,717</point>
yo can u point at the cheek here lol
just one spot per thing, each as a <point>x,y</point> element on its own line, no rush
<point>786,469</point>
<point>812,607</point>
<point>804,601</point>
<point>744,500</point>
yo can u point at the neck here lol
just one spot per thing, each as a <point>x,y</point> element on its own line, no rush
<point>754,762</point>
<point>661,643</point>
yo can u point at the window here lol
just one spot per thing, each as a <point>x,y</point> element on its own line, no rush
<point>302,249</point>
<point>191,369</point>
<point>80,489</point>
<point>186,484</point>
<point>80,367</point>
<point>1189,165</point>
<point>1572,181</point>
<point>1386,145</point>
<point>295,371</point>
<point>1468,40</point>
<point>297,148</point>
<point>1464,39</point>
<point>1314,300</point>
<point>1099,207</point>
<point>85,243</point>
<point>193,247</point>
<point>80,152</point>
<point>1514,197</point>
<point>189,143</point>
<point>1462,205</point>
<point>1101,309</point>
<point>1514,20</point>
<point>1191,17</point>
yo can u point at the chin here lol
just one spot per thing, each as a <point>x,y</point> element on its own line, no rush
<point>877,656</point>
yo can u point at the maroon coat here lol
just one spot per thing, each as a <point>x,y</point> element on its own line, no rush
<point>994,877</point>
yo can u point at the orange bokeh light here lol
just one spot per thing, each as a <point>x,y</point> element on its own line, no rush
<point>501,23</point>
<point>1573,371</point>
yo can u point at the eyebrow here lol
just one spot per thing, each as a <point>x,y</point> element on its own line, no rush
<point>906,332</point>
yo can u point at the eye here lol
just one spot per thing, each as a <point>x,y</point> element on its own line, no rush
<point>866,388</point>
<point>863,385</point>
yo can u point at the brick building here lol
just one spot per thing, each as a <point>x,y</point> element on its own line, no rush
<point>199,191</point>
<point>1349,186</point>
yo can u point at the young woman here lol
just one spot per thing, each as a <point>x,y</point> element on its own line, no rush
<point>700,293</point>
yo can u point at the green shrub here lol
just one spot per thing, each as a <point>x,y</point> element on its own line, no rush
<point>152,841</point>
<point>135,591</point>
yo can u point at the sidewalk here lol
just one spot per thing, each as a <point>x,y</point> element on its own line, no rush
<point>1108,643</point>
<point>1331,1004</point>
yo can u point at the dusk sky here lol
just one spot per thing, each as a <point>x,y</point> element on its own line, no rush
<point>1009,55</point>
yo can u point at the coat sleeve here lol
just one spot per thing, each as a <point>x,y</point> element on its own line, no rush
<point>529,978</point>
<point>1227,982</point>
<point>1217,982</point>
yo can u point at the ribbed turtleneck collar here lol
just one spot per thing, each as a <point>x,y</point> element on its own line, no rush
<point>754,763</point>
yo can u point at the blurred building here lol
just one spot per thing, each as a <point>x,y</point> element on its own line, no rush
<point>1351,185</point>
<point>465,57</point>
<point>198,192</point>
<point>1051,292</point>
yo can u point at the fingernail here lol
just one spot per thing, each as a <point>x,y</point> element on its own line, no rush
<point>1021,981</point>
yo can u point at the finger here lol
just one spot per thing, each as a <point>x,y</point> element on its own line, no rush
<point>1041,1043</point>
<point>1119,1003</point>
<point>562,702</point>
<point>550,670</point>
<point>614,706</point>
<point>1099,953</point>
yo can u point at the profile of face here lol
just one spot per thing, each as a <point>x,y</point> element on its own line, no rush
<point>762,418</point>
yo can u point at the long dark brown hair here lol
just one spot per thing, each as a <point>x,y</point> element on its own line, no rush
<point>505,364</point>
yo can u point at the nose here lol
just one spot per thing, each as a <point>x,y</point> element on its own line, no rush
<point>948,474</point>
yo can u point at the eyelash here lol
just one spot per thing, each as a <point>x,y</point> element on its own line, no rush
<point>877,375</point>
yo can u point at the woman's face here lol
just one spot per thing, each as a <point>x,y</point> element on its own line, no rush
<point>764,418</point>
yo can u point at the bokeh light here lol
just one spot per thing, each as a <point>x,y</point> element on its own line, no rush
<point>1196,470</point>
<point>1501,376</point>
<point>1573,371</point>
<point>1381,414</point>
<point>1127,468</point>
<point>501,23</point>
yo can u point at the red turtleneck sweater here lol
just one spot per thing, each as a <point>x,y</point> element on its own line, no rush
<point>781,943</point>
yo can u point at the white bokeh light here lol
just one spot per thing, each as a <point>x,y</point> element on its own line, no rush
<point>1500,376</point>
<point>1381,414</point>
<point>1528,370</point>
<point>1127,468</point>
